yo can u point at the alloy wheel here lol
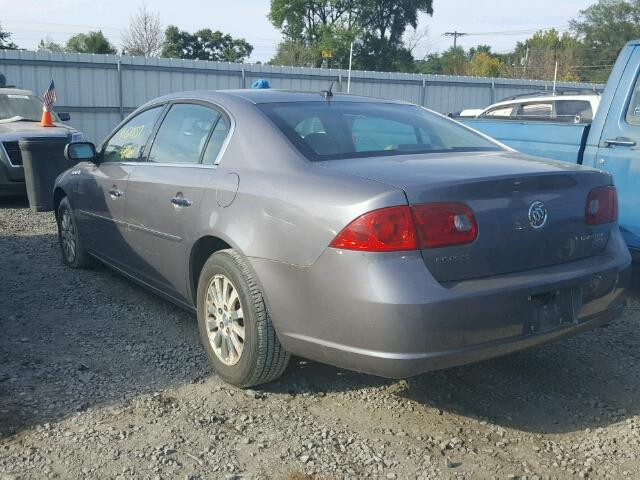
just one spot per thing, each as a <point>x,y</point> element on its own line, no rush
<point>68,235</point>
<point>224,320</point>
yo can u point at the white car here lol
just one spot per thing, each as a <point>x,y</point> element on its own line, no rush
<point>574,108</point>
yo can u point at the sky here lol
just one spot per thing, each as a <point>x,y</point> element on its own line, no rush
<point>499,23</point>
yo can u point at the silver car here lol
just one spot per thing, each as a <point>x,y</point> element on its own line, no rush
<point>369,234</point>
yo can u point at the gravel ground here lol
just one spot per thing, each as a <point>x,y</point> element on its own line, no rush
<point>100,379</point>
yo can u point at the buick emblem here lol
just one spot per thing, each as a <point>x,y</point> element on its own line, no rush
<point>537,215</point>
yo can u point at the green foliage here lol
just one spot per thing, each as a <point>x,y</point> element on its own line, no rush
<point>92,42</point>
<point>205,44</point>
<point>375,26</point>
<point>603,29</point>
<point>484,65</point>
<point>478,61</point>
<point>294,53</point>
<point>5,40</point>
<point>48,45</point>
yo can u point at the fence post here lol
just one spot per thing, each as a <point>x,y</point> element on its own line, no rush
<point>120,99</point>
<point>340,81</point>
<point>243,80</point>
<point>493,92</point>
<point>423,92</point>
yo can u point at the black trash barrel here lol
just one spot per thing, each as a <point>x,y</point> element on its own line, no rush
<point>43,160</point>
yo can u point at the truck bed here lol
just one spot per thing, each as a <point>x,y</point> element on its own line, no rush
<point>554,140</point>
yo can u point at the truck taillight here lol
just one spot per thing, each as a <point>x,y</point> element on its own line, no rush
<point>430,225</point>
<point>602,206</point>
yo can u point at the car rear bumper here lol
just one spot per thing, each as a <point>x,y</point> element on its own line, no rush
<point>384,314</point>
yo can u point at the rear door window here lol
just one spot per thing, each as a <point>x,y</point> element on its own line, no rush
<point>183,134</point>
<point>539,109</point>
<point>218,136</point>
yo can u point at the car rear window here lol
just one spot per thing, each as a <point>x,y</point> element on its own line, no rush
<point>574,108</point>
<point>337,130</point>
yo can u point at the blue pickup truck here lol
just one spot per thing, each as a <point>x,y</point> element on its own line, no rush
<point>611,142</point>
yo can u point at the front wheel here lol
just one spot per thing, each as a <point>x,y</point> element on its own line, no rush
<point>234,324</point>
<point>73,253</point>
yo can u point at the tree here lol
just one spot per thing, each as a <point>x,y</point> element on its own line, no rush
<point>5,40</point>
<point>92,42</point>
<point>375,26</point>
<point>603,29</point>
<point>536,57</point>
<point>144,36</point>
<point>48,45</point>
<point>303,19</point>
<point>205,44</point>
<point>294,53</point>
<point>483,65</point>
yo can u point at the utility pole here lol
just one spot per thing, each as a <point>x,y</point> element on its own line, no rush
<point>455,34</point>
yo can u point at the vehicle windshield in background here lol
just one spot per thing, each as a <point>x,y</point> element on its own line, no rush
<point>27,107</point>
<point>331,131</point>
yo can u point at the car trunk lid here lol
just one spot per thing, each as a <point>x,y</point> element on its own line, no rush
<point>506,191</point>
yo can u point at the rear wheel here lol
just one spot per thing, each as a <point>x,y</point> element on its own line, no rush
<point>73,253</point>
<point>235,327</point>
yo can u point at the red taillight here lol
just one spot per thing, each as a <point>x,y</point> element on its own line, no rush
<point>384,230</point>
<point>409,228</point>
<point>445,224</point>
<point>602,206</point>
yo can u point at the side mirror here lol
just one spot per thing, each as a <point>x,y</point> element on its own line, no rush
<point>80,152</point>
<point>64,116</point>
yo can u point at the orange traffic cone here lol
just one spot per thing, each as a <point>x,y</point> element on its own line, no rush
<point>46,120</point>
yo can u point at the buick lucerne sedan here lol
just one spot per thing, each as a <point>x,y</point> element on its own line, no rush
<point>369,234</point>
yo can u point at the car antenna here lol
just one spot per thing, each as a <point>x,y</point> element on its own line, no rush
<point>328,94</point>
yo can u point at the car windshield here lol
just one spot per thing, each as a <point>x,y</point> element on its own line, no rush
<point>21,107</point>
<point>339,130</point>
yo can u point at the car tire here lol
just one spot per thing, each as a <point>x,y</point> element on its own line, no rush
<point>244,351</point>
<point>74,254</point>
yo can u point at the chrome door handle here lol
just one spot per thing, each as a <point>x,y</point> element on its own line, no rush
<point>115,193</point>
<point>181,202</point>
<point>620,142</point>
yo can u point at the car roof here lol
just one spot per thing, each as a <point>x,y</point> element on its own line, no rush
<point>261,96</point>
<point>15,91</point>
<point>589,97</point>
<point>276,96</point>
<point>544,98</point>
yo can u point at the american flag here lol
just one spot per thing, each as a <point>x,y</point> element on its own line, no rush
<point>49,97</point>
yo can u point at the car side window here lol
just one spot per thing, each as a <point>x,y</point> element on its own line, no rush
<point>541,109</point>
<point>218,137</point>
<point>569,109</point>
<point>183,134</point>
<point>504,111</point>
<point>127,144</point>
<point>633,110</point>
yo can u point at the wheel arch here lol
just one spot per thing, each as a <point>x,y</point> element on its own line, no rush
<point>201,250</point>
<point>58,194</point>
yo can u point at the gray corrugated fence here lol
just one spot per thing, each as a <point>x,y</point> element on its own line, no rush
<point>99,90</point>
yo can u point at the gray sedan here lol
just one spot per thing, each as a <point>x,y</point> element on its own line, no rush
<point>369,234</point>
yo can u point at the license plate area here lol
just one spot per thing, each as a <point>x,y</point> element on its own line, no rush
<point>555,309</point>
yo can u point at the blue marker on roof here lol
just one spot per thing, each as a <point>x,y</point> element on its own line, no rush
<point>261,83</point>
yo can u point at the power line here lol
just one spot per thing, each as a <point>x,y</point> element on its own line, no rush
<point>455,34</point>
